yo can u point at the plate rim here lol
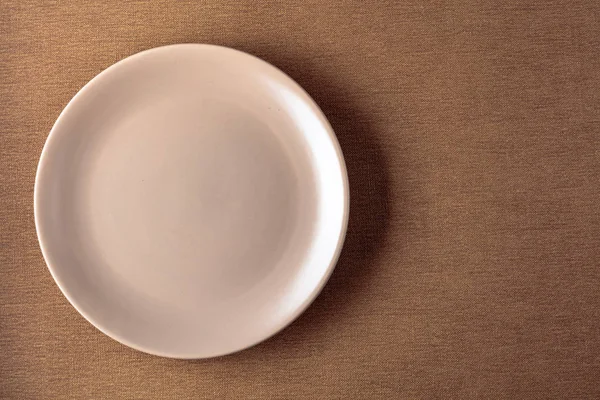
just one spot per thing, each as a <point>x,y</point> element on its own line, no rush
<point>302,307</point>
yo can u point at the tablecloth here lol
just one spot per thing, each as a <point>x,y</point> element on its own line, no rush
<point>471,131</point>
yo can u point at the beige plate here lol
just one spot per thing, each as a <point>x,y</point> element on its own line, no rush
<point>191,201</point>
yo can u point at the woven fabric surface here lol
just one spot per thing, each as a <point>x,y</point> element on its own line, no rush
<point>471,131</point>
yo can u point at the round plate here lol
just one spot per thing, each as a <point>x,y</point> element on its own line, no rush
<point>191,201</point>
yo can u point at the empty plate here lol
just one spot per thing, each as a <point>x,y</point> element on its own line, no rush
<point>191,201</point>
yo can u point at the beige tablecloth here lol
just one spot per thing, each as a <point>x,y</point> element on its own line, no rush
<point>471,131</point>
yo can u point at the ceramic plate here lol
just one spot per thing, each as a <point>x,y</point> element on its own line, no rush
<point>191,201</point>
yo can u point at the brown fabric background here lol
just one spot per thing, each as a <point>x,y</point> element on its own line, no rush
<point>471,131</point>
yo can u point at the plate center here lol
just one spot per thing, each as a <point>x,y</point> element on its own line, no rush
<point>194,200</point>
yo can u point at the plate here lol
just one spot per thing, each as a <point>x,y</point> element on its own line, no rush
<point>191,201</point>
